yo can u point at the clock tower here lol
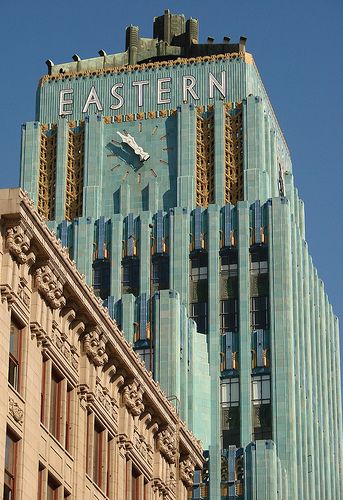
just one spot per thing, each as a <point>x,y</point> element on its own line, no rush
<point>164,171</point>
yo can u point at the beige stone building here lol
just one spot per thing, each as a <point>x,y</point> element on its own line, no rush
<point>80,416</point>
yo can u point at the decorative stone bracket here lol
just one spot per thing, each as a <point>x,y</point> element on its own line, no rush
<point>166,444</point>
<point>94,344</point>
<point>15,411</point>
<point>18,244</point>
<point>50,287</point>
<point>133,398</point>
<point>187,472</point>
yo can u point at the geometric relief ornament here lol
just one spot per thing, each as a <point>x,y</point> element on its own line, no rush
<point>94,345</point>
<point>166,444</point>
<point>18,243</point>
<point>50,287</point>
<point>133,398</point>
<point>187,472</point>
<point>15,411</point>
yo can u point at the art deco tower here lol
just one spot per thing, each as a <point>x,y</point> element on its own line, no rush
<point>164,171</point>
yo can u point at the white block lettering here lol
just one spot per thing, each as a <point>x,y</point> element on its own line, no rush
<point>92,98</point>
<point>64,102</point>
<point>160,91</point>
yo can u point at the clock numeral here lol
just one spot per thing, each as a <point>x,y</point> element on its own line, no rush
<point>125,175</point>
<point>153,172</point>
<point>163,137</point>
<point>140,126</point>
<point>139,178</point>
<point>115,166</point>
<point>154,130</point>
<point>164,161</point>
<point>112,154</point>
<point>115,142</point>
<point>167,149</point>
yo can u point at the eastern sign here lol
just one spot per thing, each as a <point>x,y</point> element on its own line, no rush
<point>162,91</point>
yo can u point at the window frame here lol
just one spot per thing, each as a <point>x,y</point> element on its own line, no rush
<point>15,355</point>
<point>232,324</point>
<point>259,317</point>
<point>11,474</point>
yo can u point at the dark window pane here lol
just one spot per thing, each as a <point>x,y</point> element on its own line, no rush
<point>101,278</point>
<point>97,454</point>
<point>160,273</point>
<point>130,276</point>
<point>199,315</point>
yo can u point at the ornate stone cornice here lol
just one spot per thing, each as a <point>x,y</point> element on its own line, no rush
<point>180,61</point>
<point>133,398</point>
<point>18,244</point>
<point>166,444</point>
<point>94,345</point>
<point>50,287</point>
<point>187,471</point>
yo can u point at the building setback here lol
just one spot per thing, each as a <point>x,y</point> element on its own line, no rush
<point>81,416</point>
<point>164,171</point>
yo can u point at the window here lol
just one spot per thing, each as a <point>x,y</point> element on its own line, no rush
<point>198,290</point>
<point>261,389</point>
<point>230,392</point>
<point>198,312</point>
<point>49,488</point>
<point>146,355</point>
<point>229,264</point>
<point>229,315</point>
<point>10,466</point>
<point>261,398</point>
<point>52,489</point>
<point>56,404</point>
<point>14,356</point>
<point>198,267</point>
<point>135,485</point>
<point>101,278</point>
<point>160,273</point>
<point>259,260</point>
<point>259,313</point>
<point>230,412</point>
<point>99,453</point>
<point>130,276</point>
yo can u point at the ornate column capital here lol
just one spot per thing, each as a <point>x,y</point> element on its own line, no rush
<point>50,287</point>
<point>166,444</point>
<point>94,345</point>
<point>133,398</point>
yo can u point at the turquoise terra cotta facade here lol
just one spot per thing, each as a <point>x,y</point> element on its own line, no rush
<point>198,251</point>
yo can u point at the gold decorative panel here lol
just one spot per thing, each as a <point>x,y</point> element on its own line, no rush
<point>74,181</point>
<point>204,177</point>
<point>233,154</point>
<point>47,172</point>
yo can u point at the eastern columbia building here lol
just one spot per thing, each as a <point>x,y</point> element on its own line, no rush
<point>179,291</point>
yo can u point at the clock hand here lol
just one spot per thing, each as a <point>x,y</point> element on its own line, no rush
<point>130,141</point>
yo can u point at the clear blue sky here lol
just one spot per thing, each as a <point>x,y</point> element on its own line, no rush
<point>298,47</point>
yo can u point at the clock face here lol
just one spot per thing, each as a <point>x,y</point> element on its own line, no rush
<point>140,154</point>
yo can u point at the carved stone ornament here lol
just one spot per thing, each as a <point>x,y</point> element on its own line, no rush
<point>166,444</point>
<point>94,344</point>
<point>133,398</point>
<point>187,472</point>
<point>50,287</point>
<point>18,243</point>
<point>15,411</point>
